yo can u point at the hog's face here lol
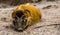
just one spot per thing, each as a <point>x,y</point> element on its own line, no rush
<point>20,21</point>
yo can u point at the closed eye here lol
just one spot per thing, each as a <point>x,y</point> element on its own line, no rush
<point>27,10</point>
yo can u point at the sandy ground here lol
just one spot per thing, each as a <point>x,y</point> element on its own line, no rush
<point>49,25</point>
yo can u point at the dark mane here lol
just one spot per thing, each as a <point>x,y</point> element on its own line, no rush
<point>19,13</point>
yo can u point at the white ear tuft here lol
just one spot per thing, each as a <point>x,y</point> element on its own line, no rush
<point>28,4</point>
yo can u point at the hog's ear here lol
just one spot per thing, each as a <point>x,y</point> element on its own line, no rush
<point>28,4</point>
